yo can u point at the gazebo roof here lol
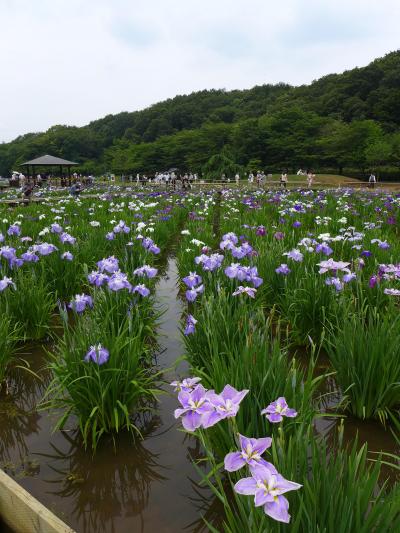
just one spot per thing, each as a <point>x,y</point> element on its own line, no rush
<point>49,160</point>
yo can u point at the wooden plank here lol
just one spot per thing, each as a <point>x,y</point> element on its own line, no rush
<point>23,513</point>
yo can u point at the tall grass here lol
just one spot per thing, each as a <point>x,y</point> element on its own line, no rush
<point>364,349</point>
<point>104,398</point>
<point>30,305</point>
<point>9,336</point>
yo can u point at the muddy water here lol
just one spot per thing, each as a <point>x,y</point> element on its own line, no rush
<point>144,487</point>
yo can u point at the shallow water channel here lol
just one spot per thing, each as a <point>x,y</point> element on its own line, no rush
<point>143,487</point>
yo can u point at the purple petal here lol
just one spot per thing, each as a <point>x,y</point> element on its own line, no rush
<point>266,464</point>
<point>240,395</point>
<point>229,392</point>
<point>198,393</point>
<point>246,486</point>
<point>278,509</point>
<point>179,412</point>
<point>260,445</point>
<point>191,421</point>
<point>210,419</point>
<point>282,402</point>
<point>184,398</point>
<point>286,485</point>
<point>234,461</point>
<point>275,417</point>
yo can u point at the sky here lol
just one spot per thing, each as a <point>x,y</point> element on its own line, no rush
<point>73,61</point>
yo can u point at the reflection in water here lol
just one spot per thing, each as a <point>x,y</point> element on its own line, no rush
<point>18,405</point>
<point>104,487</point>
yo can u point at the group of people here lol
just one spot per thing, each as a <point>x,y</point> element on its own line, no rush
<point>169,178</point>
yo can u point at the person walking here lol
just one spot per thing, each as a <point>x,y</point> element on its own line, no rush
<point>284,179</point>
<point>310,179</point>
<point>372,180</point>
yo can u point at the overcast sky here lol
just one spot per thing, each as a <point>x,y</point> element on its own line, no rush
<point>73,61</point>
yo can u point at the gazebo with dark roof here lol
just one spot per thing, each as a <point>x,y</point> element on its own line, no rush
<point>49,161</point>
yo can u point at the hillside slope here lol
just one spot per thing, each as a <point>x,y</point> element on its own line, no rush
<point>341,120</point>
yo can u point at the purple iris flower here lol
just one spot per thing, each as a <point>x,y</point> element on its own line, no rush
<point>226,245</point>
<point>56,228</point>
<point>98,278</point>
<point>390,292</point>
<point>277,410</point>
<point>7,252</point>
<point>186,385</point>
<point>283,269</point>
<point>110,236</point>
<point>209,262</point>
<point>146,270</point>
<point>45,248</point>
<point>366,253</point>
<point>330,264</point>
<point>154,249</point>
<point>121,227</point>
<point>1,237</point>
<point>233,270</point>
<point>16,262</point>
<point>229,240</point>
<point>250,291</point>
<point>324,248</point>
<point>80,302</point>
<point>296,224</point>
<point>30,257</point>
<point>98,354</point>
<point>260,231</point>
<point>279,235</point>
<point>373,280</point>
<point>242,251</point>
<point>191,294</point>
<point>253,277</point>
<point>268,489</point>
<point>14,229</point>
<point>335,282</point>
<point>149,245</point>
<point>67,238</point>
<point>192,280</point>
<point>224,405</point>
<point>250,454</point>
<point>190,327</point>
<point>110,265</point>
<point>6,282</point>
<point>195,406</point>
<point>349,277</point>
<point>119,281</point>
<point>141,289</point>
<point>295,255</point>
<point>244,273</point>
<point>67,256</point>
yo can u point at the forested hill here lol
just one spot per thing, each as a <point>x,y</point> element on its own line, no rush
<point>341,121</point>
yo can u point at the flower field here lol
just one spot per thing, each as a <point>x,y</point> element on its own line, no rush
<point>283,385</point>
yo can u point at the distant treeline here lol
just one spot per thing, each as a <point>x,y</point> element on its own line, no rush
<point>342,122</point>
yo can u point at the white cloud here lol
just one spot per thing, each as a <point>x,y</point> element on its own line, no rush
<point>72,61</point>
